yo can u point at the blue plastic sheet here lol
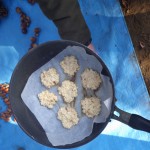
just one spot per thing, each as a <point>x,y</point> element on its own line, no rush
<point>113,44</point>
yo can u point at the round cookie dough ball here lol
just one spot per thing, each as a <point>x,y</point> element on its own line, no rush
<point>90,79</point>
<point>68,90</point>
<point>68,116</point>
<point>47,99</point>
<point>70,65</point>
<point>50,77</point>
<point>91,106</point>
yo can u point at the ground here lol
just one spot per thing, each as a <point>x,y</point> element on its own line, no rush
<point>137,16</point>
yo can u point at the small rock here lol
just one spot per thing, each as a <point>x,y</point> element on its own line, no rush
<point>142,45</point>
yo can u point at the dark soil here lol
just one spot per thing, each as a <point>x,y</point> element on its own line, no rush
<point>137,16</point>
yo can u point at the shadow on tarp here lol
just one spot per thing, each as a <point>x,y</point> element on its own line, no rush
<point>9,57</point>
<point>12,138</point>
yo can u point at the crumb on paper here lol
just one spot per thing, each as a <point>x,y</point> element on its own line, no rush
<point>68,90</point>
<point>70,65</point>
<point>91,106</point>
<point>90,79</point>
<point>68,116</point>
<point>50,77</point>
<point>47,99</point>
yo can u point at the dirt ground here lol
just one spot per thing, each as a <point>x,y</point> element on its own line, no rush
<point>137,15</point>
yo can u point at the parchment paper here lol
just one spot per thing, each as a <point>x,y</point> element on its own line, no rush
<point>54,130</point>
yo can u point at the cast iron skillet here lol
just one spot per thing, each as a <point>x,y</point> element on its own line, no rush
<point>27,121</point>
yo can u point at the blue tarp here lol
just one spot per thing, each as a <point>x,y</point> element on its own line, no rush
<point>113,44</point>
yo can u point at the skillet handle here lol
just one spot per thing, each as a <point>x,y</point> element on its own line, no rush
<point>135,121</point>
<point>139,123</point>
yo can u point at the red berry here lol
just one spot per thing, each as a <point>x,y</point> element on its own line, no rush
<point>18,10</point>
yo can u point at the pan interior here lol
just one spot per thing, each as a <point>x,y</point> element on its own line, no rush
<point>27,65</point>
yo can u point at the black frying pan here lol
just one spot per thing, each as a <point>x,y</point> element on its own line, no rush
<point>27,121</point>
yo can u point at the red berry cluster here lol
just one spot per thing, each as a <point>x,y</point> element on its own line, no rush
<point>34,38</point>
<point>3,11</point>
<point>25,20</point>
<point>4,88</point>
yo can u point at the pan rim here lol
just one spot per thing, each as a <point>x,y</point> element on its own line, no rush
<point>113,101</point>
